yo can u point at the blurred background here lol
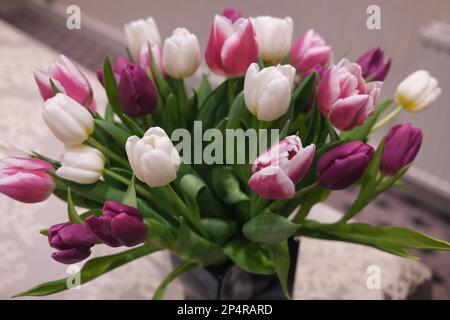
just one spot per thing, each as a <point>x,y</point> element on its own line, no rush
<point>414,33</point>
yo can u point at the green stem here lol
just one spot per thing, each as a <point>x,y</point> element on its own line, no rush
<point>230,92</point>
<point>300,193</point>
<point>111,154</point>
<point>386,119</point>
<point>147,120</point>
<point>139,189</point>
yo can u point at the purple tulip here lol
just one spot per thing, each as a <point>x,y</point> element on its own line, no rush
<point>310,52</point>
<point>278,169</point>
<point>232,14</point>
<point>344,97</point>
<point>401,146</point>
<point>26,180</point>
<point>69,80</point>
<point>231,47</point>
<point>119,225</point>
<point>137,93</point>
<point>117,68</point>
<point>342,166</point>
<point>73,242</point>
<point>373,66</point>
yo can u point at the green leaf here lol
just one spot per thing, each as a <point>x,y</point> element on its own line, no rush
<point>226,185</point>
<point>73,215</point>
<point>219,230</point>
<point>129,198</point>
<point>234,116</point>
<point>249,256</point>
<point>279,253</point>
<point>114,131</point>
<point>91,270</point>
<point>395,240</point>
<point>162,84</point>
<point>215,108</point>
<point>203,90</point>
<point>171,114</point>
<point>180,269</point>
<point>54,87</point>
<point>192,247</point>
<point>268,227</point>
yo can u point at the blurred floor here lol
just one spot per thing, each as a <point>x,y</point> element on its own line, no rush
<point>392,208</point>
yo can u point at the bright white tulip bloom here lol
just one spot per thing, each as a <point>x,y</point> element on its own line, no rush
<point>153,158</point>
<point>267,93</point>
<point>274,37</point>
<point>139,32</point>
<point>69,121</point>
<point>81,164</point>
<point>417,91</point>
<point>181,54</point>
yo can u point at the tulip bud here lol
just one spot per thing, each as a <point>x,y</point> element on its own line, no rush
<point>141,32</point>
<point>70,123</point>
<point>137,93</point>
<point>144,58</point>
<point>267,93</point>
<point>417,91</point>
<point>274,37</point>
<point>69,80</point>
<point>181,54</point>
<point>278,169</point>
<point>342,166</point>
<point>117,68</point>
<point>231,14</point>
<point>119,225</point>
<point>81,164</point>
<point>344,97</point>
<point>26,180</point>
<point>372,65</point>
<point>73,242</point>
<point>232,47</point>
<point>153,158</point>
<point>401,146</point>
<point>310,52</point>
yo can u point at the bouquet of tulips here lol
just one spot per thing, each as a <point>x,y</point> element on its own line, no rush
<point>217,175</point>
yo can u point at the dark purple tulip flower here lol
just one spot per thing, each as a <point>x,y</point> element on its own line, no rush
<point>119,225</point>
<point>117,68</point>
<point>342,166</point>
<point>137,93</point>
<point>401,146</point>
<point>232,14</point>
<point>373,65</point>
<point>73,242</point>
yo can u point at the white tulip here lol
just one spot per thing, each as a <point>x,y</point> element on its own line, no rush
<point>181,54</point>
<point>267,93</point>
<point>417,91</point>
<point>81,164</point>
<point>69,121</point>
<point>139,32</point>
<point>274,37</point>
<point>153,158</point>
<point>8,150</point>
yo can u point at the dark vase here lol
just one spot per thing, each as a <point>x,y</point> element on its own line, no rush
<point>229,282</point>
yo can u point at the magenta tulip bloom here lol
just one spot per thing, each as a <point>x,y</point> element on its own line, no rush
<point>344,97</point>
<point>401,146</point>
<point>119,225</point>
<point>137,93</point>
<point>69,80</point>
<point>373,65</point>
<point>26,180</point>
<point>117,68</point>
<point>342,166</point>
<point>278,169</point>
<point>232,47</point>
<point>144,58</point>
<point>310,52</point>
<point>232,14</point>
<point>73,242</point>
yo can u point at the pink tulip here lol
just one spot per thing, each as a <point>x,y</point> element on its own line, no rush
<point>144,58</point>
<point>344,97</point>
<point>278,169</point>
<point>117,67</point>
<point>26,180</point>
<point>310,52</point>
<point>68,79</point>
<point>232,47</point>
<point>232,14</point>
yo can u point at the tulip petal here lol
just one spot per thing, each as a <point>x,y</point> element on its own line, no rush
<point>274,101</point>
<point>299,165</point>
<point>158,168</point>
<point>101,228</point>
<point>350,112</point>
<point>128,230</point>
<point>71,256</point>
<point>272,183</point>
